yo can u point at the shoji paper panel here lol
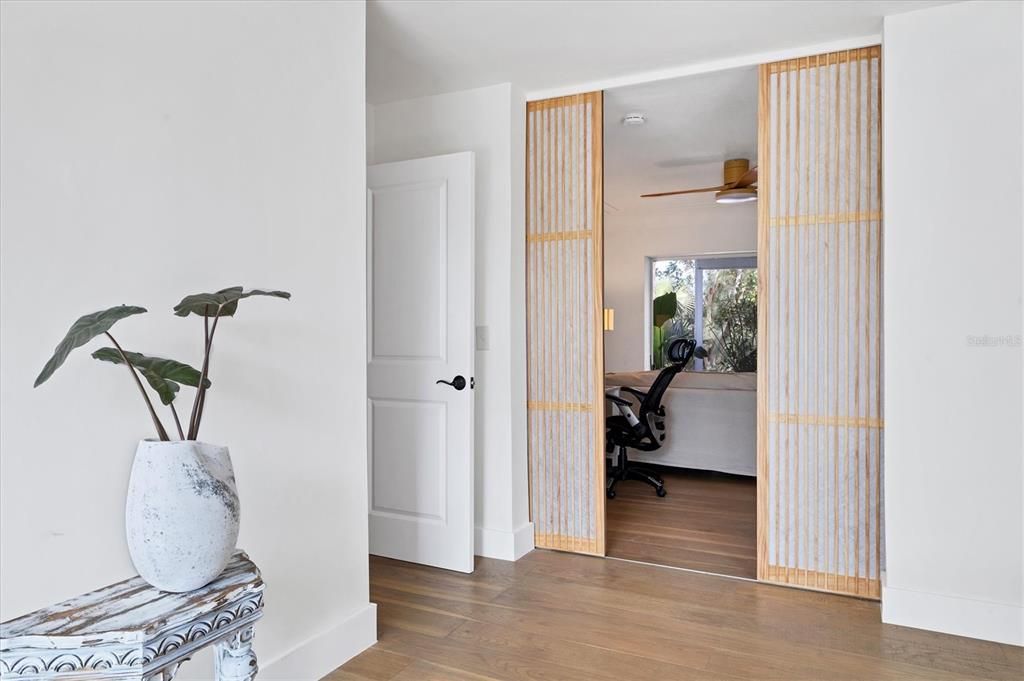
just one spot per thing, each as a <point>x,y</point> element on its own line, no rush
<point>820,363</point>
<point>565,407</point>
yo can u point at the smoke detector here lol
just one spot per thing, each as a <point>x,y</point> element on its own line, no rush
<point>632,119</point>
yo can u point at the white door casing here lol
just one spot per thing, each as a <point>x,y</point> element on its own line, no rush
<point>420,290</point>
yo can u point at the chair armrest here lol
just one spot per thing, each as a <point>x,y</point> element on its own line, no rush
<point>617,400</point>
<point>639,394</point>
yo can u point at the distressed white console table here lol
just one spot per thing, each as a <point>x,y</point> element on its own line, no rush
<point>132,631</point>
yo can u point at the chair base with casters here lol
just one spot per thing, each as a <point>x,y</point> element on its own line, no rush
<point>624,470</point>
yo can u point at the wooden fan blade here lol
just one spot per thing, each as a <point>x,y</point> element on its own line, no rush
<point>685,191</point>
<point>749,178</point>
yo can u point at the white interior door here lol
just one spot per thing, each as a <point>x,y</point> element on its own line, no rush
<point>420,318</point>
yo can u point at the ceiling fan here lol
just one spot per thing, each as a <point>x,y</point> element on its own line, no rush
<point>739,185</point>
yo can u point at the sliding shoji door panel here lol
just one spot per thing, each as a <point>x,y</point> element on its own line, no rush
<point>565,356</point>
<point>820,360</point>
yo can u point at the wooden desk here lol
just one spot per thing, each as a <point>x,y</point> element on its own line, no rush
<point>132,631</point>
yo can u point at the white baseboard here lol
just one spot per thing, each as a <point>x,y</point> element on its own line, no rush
<point>504,544</point>
<point>325,652</point>
<point>1000,622</point>
<point>523,541</point>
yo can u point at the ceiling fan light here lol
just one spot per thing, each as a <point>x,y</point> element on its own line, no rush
<point>740,195</point>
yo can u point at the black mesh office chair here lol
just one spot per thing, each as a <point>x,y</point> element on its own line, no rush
<point>645,432</point>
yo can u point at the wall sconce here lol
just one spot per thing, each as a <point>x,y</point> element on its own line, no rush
<point>609,319</point>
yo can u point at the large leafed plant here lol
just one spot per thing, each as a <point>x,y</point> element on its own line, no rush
<point>164,376</point>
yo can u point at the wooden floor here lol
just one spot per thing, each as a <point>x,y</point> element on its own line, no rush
<point>708,521</point>
<point>556,616</point>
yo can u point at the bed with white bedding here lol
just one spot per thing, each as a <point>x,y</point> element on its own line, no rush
<point>711,420</point>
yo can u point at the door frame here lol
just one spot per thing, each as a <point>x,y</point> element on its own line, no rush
<point>726,64</point>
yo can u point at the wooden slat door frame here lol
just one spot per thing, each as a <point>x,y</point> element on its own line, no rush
<point>845,220</point>
<point>564,209</point>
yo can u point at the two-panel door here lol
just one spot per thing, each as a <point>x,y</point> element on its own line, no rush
<point>420,360</point>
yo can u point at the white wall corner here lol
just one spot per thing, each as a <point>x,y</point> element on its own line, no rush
<point>369,134</point>
<point>1000,622</point>
<point>518,424</point>
<point>318,656</point>
<point>504,544</point>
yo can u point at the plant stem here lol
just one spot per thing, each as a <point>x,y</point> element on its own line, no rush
<point>199,388</point>
<point>193,423</point>
<point>176,421</point>
<point>152,412</point>
<point>199,414</point>
<point>202,395</point>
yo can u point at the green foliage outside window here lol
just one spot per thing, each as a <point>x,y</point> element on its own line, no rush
<point>730,314</point>
<point>730,319</point>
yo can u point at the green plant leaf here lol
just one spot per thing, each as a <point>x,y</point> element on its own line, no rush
<point>167,390</point>
<point>664,308</point>
<point>81,332</point>
<point>223,303</point>
<point>171,369</point>
<point>163,375</point>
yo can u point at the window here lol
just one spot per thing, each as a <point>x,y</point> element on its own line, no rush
<point>712,300</point>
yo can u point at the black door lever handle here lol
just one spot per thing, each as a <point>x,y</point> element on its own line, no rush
<point>459,382</point>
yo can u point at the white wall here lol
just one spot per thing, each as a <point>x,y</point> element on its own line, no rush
<point>490,122</point>
<point>150,150</point>
<point>700,228</point>
<point>953,261</point>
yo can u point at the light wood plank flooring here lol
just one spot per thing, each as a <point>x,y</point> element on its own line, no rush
<point>707,522</point>
<point>556,616</point>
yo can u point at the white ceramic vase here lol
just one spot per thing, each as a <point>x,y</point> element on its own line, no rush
<point>181,515</point>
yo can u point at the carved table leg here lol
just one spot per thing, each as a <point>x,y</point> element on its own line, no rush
<point>234,659</point>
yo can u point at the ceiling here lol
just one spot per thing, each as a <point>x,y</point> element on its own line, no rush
<point>693,125</point>
<point>423,47</point>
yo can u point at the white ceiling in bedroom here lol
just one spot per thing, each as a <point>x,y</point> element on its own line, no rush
<point>693,125</point>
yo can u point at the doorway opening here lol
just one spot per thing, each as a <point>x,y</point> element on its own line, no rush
<point>680,341</point>
<point>812,416</point>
